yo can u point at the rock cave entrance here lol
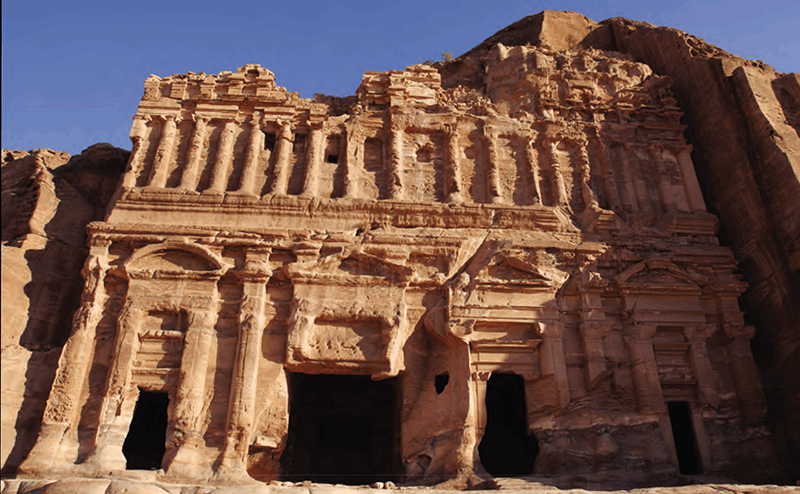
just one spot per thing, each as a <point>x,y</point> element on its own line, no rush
<point>342,429</point>
<point>506,449</point>
<point>680,417</point>
<point>146,441</point>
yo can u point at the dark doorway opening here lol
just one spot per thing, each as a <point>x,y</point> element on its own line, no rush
<point>506,449</point>
<point>145,444</point>
<point>680,416</point>
<point>342,429</point>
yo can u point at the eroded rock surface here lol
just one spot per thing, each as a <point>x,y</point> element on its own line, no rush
<point>498,266</point>
<point>48,199</point>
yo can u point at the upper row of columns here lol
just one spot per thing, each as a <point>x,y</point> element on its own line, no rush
<point>627,192</point>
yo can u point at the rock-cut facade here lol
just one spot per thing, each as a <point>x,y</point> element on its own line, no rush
<point>426,281</point>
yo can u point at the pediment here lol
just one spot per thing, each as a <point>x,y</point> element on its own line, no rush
<point>352,266</point>
<point>517,270</point>
<point>174,259</point>
<point>656,272</point>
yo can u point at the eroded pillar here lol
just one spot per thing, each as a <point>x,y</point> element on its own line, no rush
<point>255,144</point>
<point>593,334</point>
<point>163,158</point>
<point>533,167</point>
<point>697,335</point>
<point>62,411</point>
<point>639,341</point>
<point>117,408</point>
<point>690,184</point>
<point>552,360</point>
<point>252,321</point>
<point>589,198</point>
<point>745,373</point>
<point>282,166</point>
<point>557,177</point>
<point>396,162</point>
<point>492,170</point>
<point>313,161</point>
<point>184,445</point>
<point>639,185</point>
<point>665,188</point>
<point>609,183</point>
<point>452,172</point>
<point>196,148</point>
<point>222,165</point>
<point>137,135</point>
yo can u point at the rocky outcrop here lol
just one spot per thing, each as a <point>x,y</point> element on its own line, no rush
<point>48,199</point>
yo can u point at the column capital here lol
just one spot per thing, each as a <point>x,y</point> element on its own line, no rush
<point>739,331</point>
<point>699,332</point>
<point>550,330</point>
<point>595,330</point>
<point>639,333</point>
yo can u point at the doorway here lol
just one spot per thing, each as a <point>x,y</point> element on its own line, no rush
<point>342,429</point>
<point>680,417</point>
<point>146,441</point>
<point>507,450</point>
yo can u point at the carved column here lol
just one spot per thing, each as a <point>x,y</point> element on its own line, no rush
<point>353,151</point>
<point>533,166</point>
<point>593,334</point>
<point>697,335</point>
<point>313,161</point>
<point>196,147</point>
<point>609,183</point>
<point>396,161</point>
<point>589,199</point>
<point>629,201</point>
<point>640,187</point>
<point>61,410</point>
<point>492,170</point>
<point>114,424</point>
<point>255,144</point>
<point>283,151</point>
<point>639,340</point>
<point>557,179</point>
<point>552,360</point>
<point>745,373</point>
<point>222,165</point>
<point>138,134</point>
<point>452,172</point>
<point>187,435</point>
<point>252,321</point>
<point>163,158</point>
<point>690,185</point>
<point>665,188</point>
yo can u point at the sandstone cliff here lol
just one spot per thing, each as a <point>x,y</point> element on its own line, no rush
<point>48,199</point>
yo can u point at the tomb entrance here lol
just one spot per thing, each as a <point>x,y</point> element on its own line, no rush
<point>342,429</point>
<point>507,450</point>
<point>145,443</point>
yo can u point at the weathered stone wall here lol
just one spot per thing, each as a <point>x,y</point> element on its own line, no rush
<point>48,199</point>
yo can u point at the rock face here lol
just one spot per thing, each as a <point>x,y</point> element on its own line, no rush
<point>48,199</point>
<point>498,266</point>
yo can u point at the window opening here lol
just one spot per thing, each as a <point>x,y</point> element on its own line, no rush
<point>680,417</point>
<point>269,141</point>
<point>507,450</point>
<point>146,441</point>
<point>332,158</point>
<point>299,143</point>
<point>342,429</point>
<point>440,382</point>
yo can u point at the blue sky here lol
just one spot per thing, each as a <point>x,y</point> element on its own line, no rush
<point>73,72</point>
